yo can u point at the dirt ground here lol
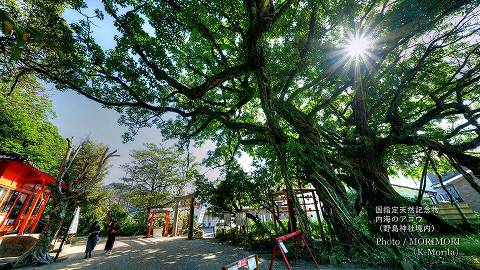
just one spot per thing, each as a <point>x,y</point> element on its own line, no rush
<point>132,253</point>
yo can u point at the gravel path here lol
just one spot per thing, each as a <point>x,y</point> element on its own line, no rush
<point>164,253</point>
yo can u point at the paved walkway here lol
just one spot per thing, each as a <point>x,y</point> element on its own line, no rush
<point>162,253</point>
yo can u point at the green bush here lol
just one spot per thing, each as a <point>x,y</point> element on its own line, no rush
<point>254,238</point>
<point>87,217</point>
<point>130,224</point>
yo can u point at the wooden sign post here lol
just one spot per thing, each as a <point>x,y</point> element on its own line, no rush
<point>248,263</point>
<point>279,246</point>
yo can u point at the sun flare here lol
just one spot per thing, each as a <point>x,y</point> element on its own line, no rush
<point>357,46</point>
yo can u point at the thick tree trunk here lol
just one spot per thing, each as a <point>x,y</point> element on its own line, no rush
<point>332,194</point>
<point>321,174</point>
<point>364,162</point>
<point>376,190</point>
<point>300,214</point>
<point>278,137</point>
<point>39,253</point>
<point>340,215</point>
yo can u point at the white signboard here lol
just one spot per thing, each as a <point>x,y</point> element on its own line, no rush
<point>252,263</point>
<point>202,213</point>
<point>283,247</point>
<point>74,225</point>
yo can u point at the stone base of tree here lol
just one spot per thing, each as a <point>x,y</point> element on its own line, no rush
<point>14,246</point>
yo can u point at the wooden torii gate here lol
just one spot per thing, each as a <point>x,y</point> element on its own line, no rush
<point>281,202</point>
<point>190,199</point>
<point>155,213</point>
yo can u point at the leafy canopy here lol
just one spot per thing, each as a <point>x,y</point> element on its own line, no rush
<point>156,174</point>
<point>26,127</point>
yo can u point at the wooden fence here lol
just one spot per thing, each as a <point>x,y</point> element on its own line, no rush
<point>451,214</point>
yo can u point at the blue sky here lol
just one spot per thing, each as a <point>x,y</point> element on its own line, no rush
<point>80,117</point>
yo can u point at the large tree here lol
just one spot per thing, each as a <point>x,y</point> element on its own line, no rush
<point>26,127</point>
<point>31,30</point>
<point>287,76</point>
<point>240,190</point>
<point>81,169</point>
<point>155,175</point>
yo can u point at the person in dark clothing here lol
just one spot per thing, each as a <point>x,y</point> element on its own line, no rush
<point>92,239</point>
<point>112,231</point>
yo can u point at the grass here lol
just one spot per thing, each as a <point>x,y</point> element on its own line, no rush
<point>468,254</point>
<point>469,245</point>
<point>381,256</point>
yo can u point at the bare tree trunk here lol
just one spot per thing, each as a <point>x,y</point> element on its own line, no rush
<point>63,195</point>
<point>38,254</point>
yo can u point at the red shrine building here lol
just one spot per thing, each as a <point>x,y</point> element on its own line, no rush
<point>24,193</point>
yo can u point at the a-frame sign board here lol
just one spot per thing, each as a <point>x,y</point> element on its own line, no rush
<point>248,263</point>
<point>279,246</point>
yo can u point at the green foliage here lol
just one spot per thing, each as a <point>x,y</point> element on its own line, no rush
<point>84,176</point>
<point>155,175</point>
<point>235,237</point>
<point>26,127</point>
<point>94,207</point>
<point>32,30</point>
<point>467,261</point>
<point>139,224</point>
<point>228,195</point>
<point>129,224</point>
<point>469,244</point>
<point>316,233</point>
<point>120,194</point>
<point>90,196</point>
<point>238,190</point>
<point>267,77</point>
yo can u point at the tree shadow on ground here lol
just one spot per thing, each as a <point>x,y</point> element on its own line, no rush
<point>167,253</point>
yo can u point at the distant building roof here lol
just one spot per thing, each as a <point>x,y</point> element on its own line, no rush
<point>409,183</point>
<point>446,177</point>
